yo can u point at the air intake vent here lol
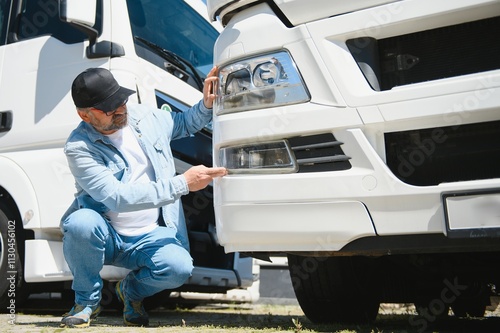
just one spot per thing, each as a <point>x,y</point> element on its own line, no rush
<point>422,56</point>
<point>319,153</point>
<point>445,154</point>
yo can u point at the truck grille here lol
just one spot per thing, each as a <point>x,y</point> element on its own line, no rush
<point>461,49</point>
<point>445,154</point>
<point>319,153</point>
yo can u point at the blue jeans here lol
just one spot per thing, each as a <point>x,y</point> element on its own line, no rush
<point>157,260</point>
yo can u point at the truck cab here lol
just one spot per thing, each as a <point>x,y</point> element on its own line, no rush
<point>160,49</point>
<point>361,139</point>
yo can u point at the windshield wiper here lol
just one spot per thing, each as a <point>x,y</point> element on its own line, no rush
<point>177,61</point>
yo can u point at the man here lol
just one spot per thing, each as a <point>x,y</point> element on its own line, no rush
<point>127,210</point>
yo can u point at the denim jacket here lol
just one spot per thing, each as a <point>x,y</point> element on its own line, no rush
<point>101,172</point>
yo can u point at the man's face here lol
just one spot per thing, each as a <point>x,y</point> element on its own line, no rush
<point>107,122</point>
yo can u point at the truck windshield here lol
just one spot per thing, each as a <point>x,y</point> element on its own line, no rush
<point>4,19</point>
<point>173,26</point>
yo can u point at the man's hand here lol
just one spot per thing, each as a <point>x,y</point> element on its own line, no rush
<point>209,88</point>
<point>198,177</point>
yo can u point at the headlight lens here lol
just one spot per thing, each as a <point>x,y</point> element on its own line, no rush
<point>269,157</point>
<point>260,82</point>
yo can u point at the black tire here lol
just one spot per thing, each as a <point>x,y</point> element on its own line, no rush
<point>473,302</point>
<point>13,289</point>
<point>336,289</point>
<point>464,309</point>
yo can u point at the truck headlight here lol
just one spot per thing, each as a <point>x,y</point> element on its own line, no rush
<point>260,82</point>
<point>268,157</point>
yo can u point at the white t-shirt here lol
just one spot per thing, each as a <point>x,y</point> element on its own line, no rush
<point>141,171</point>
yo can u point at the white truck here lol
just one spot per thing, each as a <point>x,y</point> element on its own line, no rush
<point>362,140</point>
<point>160,49</point>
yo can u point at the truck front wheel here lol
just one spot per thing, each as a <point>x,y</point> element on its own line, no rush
<point>473,301</point>
<point>336,289</point>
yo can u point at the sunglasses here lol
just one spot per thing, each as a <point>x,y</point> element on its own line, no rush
<point>112,112</point>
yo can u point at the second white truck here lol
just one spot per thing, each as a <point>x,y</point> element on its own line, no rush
<point>160,49</point>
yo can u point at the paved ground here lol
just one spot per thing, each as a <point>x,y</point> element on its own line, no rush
<point>275,283</point>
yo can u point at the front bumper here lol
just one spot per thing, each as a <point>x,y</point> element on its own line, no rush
<point>325,211</point>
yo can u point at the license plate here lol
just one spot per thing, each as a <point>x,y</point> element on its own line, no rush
<point>472,214</point>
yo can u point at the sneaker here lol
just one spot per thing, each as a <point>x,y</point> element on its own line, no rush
<point>80,316</point>
<point>134,313</point>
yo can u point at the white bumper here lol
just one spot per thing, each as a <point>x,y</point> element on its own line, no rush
<point>320,226</point>
<point>325,211</point>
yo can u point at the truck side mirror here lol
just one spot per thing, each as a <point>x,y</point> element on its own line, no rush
<point>82,15</point>
<point>79,12</point>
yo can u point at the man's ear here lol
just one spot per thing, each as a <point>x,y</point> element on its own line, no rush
<point>84,115</point>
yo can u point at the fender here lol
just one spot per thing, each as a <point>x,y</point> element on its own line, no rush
<point>16,182</point>
<point>40,183</point>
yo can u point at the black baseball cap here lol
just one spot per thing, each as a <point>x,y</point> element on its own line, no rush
<point>97,88</point>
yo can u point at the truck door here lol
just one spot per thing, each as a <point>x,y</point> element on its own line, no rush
<point>5,115</point>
